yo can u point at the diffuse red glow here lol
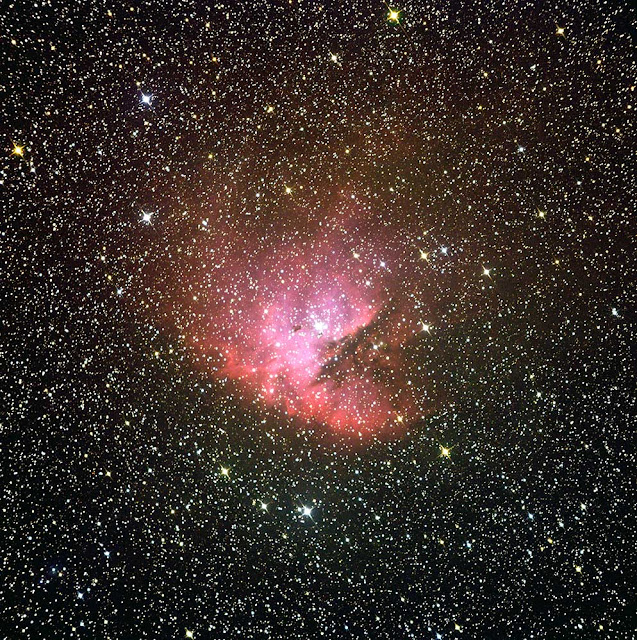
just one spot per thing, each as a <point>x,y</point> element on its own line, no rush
<point>314,324</point>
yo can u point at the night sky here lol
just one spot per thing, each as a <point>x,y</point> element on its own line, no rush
<point>316,320</point>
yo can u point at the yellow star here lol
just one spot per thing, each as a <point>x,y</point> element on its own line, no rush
<point>559,31</point>
<point>393,15</point>
<point>17,150</point>
<point>225,471</point>
<point>445,452</point>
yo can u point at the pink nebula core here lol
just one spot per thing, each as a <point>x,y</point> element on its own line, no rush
<point>310,325</point>
<point>296,336</point>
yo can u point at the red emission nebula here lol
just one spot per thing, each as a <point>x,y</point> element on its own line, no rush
<point>316,321</point>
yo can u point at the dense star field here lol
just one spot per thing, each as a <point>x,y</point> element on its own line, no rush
<point>317,320</point>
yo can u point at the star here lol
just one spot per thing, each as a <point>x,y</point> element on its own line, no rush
<point>306,511</point>
<point>225,471</point>
<point>146,98</point>
<point>559,31</point>
<point>18,150</point>
<point>445,452</point>
<point>320,327</point>
<point>393,15</point>
<point>146,217</point>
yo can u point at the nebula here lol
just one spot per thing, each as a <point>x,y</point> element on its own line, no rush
<point>314,323</point>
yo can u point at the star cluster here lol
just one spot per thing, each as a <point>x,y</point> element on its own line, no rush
<point>317,320</point>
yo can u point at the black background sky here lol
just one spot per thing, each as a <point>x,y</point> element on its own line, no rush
<point>145,494</point>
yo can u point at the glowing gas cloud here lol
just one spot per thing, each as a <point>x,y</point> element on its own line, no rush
<point>313,322</point>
